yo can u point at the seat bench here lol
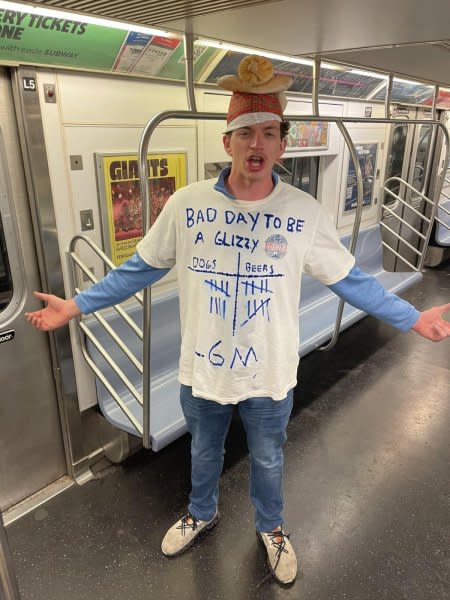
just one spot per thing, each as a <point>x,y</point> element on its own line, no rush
<point>442,235</point>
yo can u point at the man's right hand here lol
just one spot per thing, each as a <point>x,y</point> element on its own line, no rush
<point>57,313</point>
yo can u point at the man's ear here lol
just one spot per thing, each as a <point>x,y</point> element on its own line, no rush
<point>283,146</point>
<point>226,144</point>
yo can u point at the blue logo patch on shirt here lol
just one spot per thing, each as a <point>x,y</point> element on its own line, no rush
<point>276,246</point>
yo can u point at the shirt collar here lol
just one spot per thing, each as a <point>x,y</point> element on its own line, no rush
<point>220,186</point>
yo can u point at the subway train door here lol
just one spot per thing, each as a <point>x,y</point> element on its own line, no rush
<point>409,158</point>
<point>31,446</point>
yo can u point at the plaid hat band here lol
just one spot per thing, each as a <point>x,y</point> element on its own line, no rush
<point>242,104</point>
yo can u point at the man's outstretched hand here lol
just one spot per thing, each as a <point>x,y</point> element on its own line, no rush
<point>57,313</point>
<point>432,325</point>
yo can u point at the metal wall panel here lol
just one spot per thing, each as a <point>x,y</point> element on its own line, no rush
<point>31,448</point>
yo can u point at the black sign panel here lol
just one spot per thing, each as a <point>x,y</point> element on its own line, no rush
<point>7,336</point>
<point>29,84</point>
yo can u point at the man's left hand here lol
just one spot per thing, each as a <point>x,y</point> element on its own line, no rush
<point>432,325</point>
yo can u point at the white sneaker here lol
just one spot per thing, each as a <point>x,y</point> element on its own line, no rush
<point>181,535</point>
<point>280,555</point>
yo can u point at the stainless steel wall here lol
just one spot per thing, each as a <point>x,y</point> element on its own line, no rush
<point>31,448</point>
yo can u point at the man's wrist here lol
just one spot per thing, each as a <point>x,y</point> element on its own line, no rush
<point>72,308</point>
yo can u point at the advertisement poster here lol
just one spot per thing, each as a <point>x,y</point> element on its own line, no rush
<point>130,51</point>
<point>156,54</point>
<point>307,136</point>
<point>367,155</point>
<point>174,68</point>
<point>34,38</point>
<point>120,197</point>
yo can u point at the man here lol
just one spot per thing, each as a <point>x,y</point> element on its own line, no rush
<point>240,246</point>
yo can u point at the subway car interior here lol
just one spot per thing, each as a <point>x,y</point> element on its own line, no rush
<point>108,108</point>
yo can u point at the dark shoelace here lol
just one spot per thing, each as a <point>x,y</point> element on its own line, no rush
<point>280,545</point>
<point>185,525</point>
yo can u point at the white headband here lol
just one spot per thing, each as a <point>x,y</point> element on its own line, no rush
<point>253,118</point>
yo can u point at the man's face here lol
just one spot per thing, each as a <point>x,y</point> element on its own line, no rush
<point>255,149</point>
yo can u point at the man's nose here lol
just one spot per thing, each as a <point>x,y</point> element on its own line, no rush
<point>256,139</point>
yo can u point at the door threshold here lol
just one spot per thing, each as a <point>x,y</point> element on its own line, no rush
<point>37,499</point>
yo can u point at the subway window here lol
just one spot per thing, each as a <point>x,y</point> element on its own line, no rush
<point>300,171</point>
<point>6,285</point>
<point>395,161</point>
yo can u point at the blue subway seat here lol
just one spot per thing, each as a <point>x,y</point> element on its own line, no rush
<point>442,235</point>
<point>166,418</point>
<point>317,314</point>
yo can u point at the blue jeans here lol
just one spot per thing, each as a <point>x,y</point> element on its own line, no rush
<point>265,421</point>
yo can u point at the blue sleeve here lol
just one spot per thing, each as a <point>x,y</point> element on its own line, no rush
<point>119,284</point>
<point>366,293</point>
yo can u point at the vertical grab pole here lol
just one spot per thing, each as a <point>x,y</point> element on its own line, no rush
<point>189,70</point>
<point>147,299</point>
<point>146,213</point>
<point>8,584</point>
<point>387,100</point>
<point>315,90</point>
<point>356,224</point>
<point>435,98</point>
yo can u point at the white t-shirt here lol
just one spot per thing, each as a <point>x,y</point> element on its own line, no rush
<point>239,266</point>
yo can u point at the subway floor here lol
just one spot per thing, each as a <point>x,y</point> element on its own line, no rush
<point>366,492</point>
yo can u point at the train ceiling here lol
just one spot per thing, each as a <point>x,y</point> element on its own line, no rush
<point>407,37</point>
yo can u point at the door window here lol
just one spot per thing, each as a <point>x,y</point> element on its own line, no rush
<point>6,286</point>
<point>422,154</point>
<point>300,171</point>
<point>395,161</point>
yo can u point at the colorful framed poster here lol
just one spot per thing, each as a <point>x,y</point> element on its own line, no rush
<point>367,155</point>
<point>120,196</point>
<point>307,135</point>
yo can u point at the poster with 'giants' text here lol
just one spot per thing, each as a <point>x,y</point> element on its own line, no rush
<point>120,196</point>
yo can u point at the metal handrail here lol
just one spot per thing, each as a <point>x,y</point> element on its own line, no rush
<point>402,201</point>
<point>93,279</point>
<point>110,389</point>
<point>413,267</point>
<point>146,210</point>
<point>399,237</point>
<point>144,367</point>
<point>189,70</point>
<point>411,187</point>
<point>355,232</point>
<point>104,323</point>
<point>77,263</point>
<point>398,217</point>
<point>441,207</point>
<point>434,204</point>
<point>112,363</point>
<point>442,223</point>
<point>104,257</point>
<point>447,212</point>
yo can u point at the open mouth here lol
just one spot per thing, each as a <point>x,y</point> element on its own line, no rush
<point>255,162</point>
